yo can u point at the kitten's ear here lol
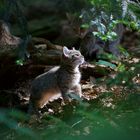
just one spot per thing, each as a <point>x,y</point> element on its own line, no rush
<point>65,51</point>
<point>73,48</point>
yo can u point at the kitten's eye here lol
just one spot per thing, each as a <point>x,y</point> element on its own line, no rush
<point>77,55</point>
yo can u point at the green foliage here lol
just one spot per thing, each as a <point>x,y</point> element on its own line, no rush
<point>125,76</point>
<point>124,51</point>
<point>12,122</point>
<point>20,62</point>
<point>106,117</point>
<point>105,15</point>
<point>121,67</point>
<point>107,56</point>
<point>107,64</point>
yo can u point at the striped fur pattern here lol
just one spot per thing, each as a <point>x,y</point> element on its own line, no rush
<point>59,81</point>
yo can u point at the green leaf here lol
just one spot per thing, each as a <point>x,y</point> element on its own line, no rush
<point>85,25</point>
<point>124,51</point>
<point>121,67</point>
<point>20,62</point>
<point>95,33</point>
<point>134,25</point>
<point>113,34</point>
<point>101,28</point>
<point>74,96</point>
<point>107,64</point>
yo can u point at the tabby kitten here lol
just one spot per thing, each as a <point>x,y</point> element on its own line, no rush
<point>59,81</point>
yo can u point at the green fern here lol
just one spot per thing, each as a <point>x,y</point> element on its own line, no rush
<point>105,15</point>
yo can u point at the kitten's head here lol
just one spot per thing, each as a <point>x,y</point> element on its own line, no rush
<point>72,57</point>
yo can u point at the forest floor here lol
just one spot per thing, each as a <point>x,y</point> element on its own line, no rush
<point>92,87</point>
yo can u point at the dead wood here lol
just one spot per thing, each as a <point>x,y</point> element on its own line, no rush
<point>6,38</point>
<point>37,40</point>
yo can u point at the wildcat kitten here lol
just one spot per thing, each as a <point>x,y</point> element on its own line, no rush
<point>59,81</point>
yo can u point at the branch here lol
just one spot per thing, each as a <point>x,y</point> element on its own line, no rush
<point>47,42</point>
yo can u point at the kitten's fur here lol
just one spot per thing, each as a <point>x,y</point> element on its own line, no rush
<point>58,81</point>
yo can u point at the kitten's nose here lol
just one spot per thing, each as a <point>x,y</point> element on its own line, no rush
<point>84,64</point>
